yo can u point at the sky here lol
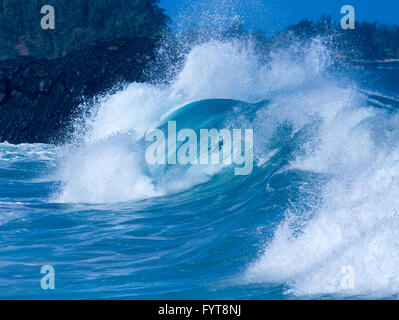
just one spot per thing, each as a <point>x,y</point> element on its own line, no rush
<point>274,15</point>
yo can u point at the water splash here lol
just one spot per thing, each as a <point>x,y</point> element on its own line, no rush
<point>314,124</point>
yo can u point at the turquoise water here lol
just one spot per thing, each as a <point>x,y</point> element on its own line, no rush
<point>323,193</point>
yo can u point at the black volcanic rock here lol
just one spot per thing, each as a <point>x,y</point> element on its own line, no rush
<point>38,97</point>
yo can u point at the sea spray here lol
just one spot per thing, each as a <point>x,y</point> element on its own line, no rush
<point>343,216</point>
<point>216,70</point>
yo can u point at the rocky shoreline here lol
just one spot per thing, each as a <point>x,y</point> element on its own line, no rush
<point>38,97</point>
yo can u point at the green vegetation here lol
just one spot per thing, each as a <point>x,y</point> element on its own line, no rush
<point>77,24</point>
<point>367,41</point>
<point>80,23</point>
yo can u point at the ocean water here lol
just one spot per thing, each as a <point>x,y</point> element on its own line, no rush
<point>323,196</point>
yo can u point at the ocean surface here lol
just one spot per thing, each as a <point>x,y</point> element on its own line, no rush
<point>322,199</point>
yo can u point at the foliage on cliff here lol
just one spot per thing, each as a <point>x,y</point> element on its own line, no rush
<point>77,24</point>
<point>367,41</point>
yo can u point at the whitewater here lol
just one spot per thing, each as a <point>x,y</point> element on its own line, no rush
<point>322,197</point>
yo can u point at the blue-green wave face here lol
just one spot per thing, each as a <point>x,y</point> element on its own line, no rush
<point>317,217</point>
<point>219,115</point>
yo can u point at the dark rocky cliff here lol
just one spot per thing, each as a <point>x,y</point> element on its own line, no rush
<point>38,97</point>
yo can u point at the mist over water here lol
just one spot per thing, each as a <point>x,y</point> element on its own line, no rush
<point>322,195</point>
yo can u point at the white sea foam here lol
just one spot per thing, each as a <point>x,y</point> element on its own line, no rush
<point>355,146</point>
<point>105,168</point>
<point>357,223</point>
